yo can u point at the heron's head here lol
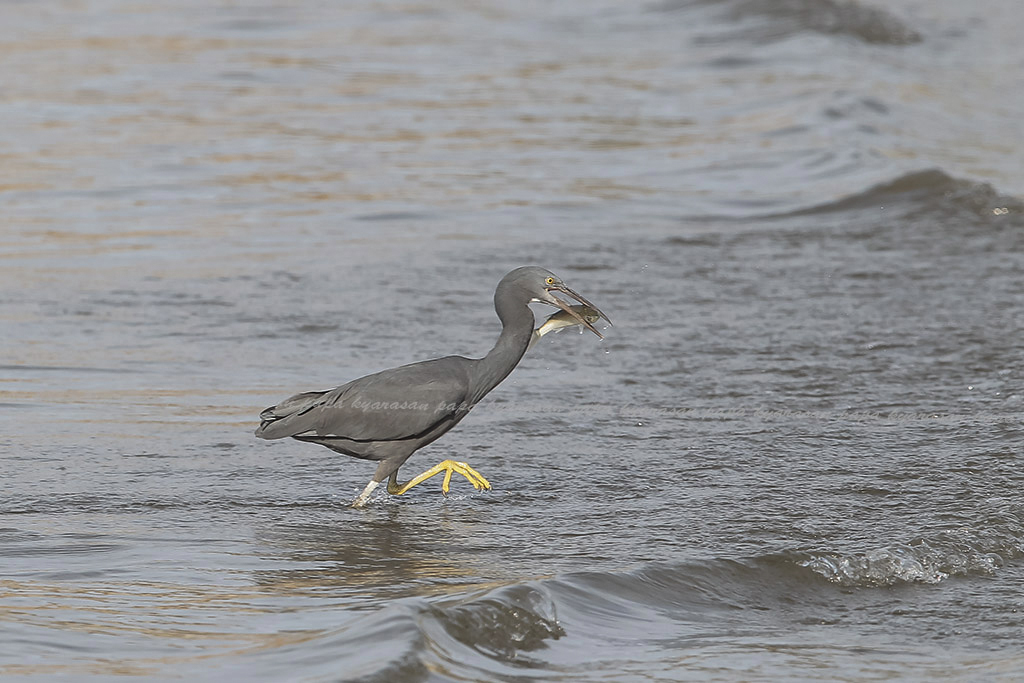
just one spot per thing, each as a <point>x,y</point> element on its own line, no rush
<point>539,285</point>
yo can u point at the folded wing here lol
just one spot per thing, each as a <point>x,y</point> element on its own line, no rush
<point>397,404</point>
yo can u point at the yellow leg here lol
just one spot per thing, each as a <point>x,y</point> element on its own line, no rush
<point>448,467</point>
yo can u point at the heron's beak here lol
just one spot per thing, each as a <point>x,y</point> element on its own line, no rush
<point>555,301</point>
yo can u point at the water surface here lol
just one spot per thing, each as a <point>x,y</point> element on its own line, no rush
<point>795,457</point>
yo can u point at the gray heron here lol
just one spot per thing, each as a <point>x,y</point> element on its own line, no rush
<point>389,415</point>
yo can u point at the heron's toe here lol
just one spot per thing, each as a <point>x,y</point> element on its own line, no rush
<point>445,485</point>
<point>478,480</point>
<point>480,483</point>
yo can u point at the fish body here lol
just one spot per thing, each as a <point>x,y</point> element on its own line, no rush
<point>563,319</point>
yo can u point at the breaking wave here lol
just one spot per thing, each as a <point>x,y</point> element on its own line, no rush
<point>958,552</point>
<point>513,630</point>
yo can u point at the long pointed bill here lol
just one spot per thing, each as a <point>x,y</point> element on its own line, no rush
<point>568,309</point>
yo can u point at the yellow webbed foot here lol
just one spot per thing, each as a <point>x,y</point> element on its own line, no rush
<point>449,467</point>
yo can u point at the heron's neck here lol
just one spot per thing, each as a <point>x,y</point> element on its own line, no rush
<point>517,328</point>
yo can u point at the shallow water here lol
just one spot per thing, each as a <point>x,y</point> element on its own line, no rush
<point>796,456</point>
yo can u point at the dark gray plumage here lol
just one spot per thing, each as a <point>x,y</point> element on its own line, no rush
<point>389,415</point>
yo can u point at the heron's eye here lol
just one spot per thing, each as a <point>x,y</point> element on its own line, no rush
<point>550,281</point>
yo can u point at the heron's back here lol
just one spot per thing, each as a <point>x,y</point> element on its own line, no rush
<point>396,404</point>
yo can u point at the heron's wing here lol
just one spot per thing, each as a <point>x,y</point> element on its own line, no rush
<point>391,405</point>
<point>291,406</point>
<point>291,416</point>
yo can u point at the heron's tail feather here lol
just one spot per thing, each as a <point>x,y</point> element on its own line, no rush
<point>291,416</point>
